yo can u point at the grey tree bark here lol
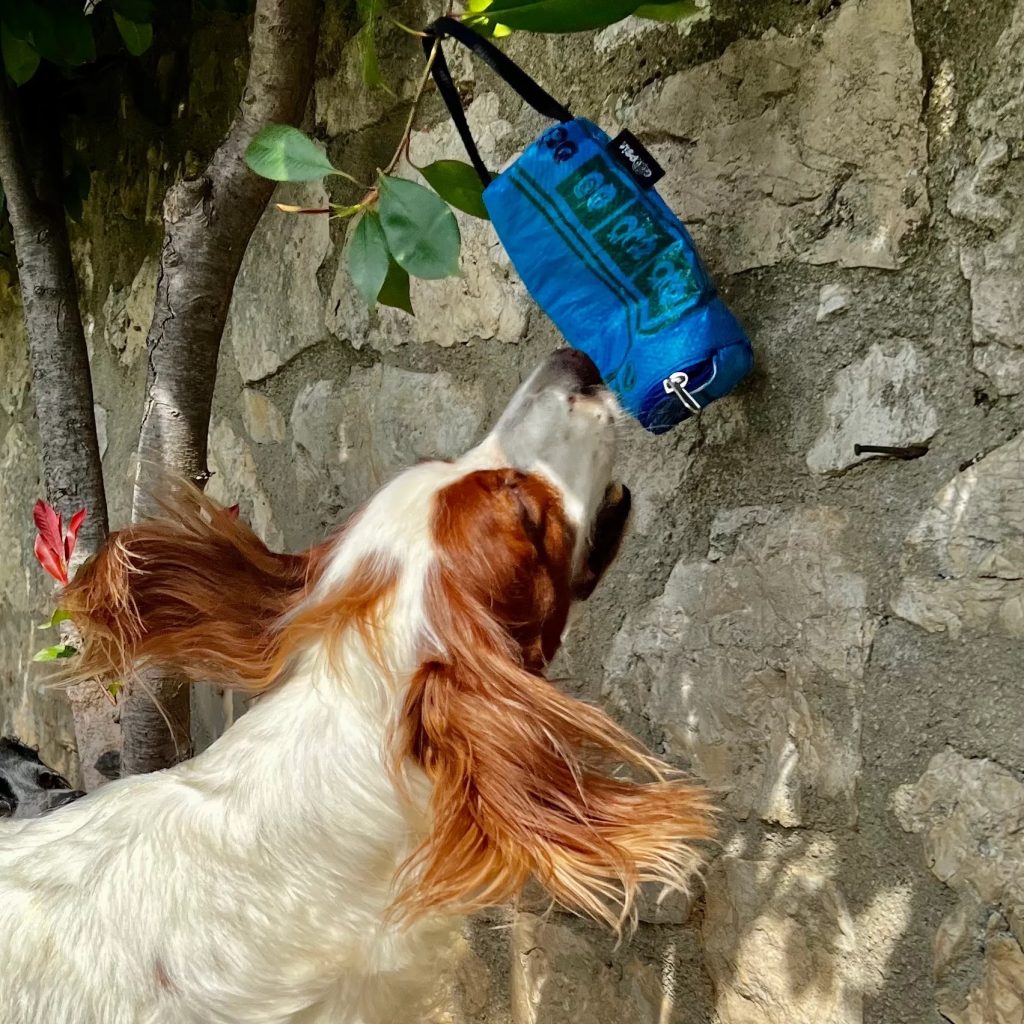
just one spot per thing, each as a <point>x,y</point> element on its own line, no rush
<point>31,172</point>
<point>208,222</point>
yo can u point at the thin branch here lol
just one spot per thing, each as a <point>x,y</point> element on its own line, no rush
<point>403,145</point>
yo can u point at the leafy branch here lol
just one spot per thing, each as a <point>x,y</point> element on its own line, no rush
<point>404,229</point>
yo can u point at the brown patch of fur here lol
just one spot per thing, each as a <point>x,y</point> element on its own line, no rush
<point>526,781</point>
<point>196,591</point>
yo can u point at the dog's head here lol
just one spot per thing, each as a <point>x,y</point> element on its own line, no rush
<point>457,578</point>
<point>28,788</point>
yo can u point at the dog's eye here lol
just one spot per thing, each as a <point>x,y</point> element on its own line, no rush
<point>47,780</point>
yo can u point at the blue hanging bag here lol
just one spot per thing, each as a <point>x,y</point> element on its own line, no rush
<point>602,254</point>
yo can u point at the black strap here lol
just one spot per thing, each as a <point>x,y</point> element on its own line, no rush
<point>506,68</point>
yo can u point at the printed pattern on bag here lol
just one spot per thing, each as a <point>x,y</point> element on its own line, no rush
<point>643,252</point>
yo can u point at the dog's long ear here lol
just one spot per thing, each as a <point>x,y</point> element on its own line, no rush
<point>526,782</point>
<point>194,590</point>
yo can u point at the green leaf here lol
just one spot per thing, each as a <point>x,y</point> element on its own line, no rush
<point>420,229</point>
<point>559,15</point>
<point>368,257</point>
<point>675,10</point>
<point>55,653</point>
<point>56,619</point>
<point>458,185</point>
<point>140,11</point>
<point>137,36</point>
<point>487,26</point>
<point>395,290</point>
<point>74,39</point>
<point>282,153</point>
<point>20,57</point>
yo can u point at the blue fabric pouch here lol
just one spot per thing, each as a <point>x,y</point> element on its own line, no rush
<point>602,254</point>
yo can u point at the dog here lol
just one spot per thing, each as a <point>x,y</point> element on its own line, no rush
<point>28,788</point>
<point>406,763</point>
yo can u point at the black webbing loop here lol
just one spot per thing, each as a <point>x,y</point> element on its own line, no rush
<point>507,69</point>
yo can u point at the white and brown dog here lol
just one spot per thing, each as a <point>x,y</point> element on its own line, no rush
<point>405,763</point>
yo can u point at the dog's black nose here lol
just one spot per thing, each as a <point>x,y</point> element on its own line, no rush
<point>572,369</point>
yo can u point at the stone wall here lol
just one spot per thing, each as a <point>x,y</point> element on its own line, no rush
<point>832,641</point>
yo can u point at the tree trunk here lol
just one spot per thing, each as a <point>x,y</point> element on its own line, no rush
<point>207,225</point>
<point>31,172</point>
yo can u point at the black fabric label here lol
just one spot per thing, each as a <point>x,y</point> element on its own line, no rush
<point>627,150</point>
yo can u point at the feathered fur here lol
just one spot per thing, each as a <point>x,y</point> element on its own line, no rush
<point>405,761</point>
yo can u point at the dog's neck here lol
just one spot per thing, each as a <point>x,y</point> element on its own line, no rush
<point>308,774</point>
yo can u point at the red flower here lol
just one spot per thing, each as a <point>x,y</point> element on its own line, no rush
<point>54,547</point>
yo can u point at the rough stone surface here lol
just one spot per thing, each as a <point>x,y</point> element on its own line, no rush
<point>878,401</point>
<point>832,299</point>
<point>963,563</point>
<point>275,309</point>
<point>236,479</point>
<point>101,427</point>
<point>128,311</point>
<point>263,420</point>
<point>990,195</point>
<point>779,940</point>
<point>349,440</point>
<point>751,662</point>
<point>970,812</point>
<point>764,169</point>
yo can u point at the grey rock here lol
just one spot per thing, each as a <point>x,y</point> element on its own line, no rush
<point>15,371</point>
<point>990,195</point>
<point>349,439</point>
<point>127,313</point>
<point>805,147</point>
<point>236,479</point>
<point>970,813</point>
<point>832,299</point>
<point>781,942</point>
<point>750,664</point>
<point>101,417</point>
<point>262,419</point>
<point>879,400</point>
<point>963,563</point>
<point>276,306</point>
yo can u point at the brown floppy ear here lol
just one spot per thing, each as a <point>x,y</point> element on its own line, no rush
<point>526,784</point>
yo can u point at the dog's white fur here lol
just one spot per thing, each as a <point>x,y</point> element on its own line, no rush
<point>250,885</point>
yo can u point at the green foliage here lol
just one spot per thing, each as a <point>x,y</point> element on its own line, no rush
<point>674,10</point>
<point>420,228</point>
<point>404,229</point>
<point>368,257</point>
<point>395,290</point>
<point>569,15</point>
<point>64,32</point>
<point>282,153</point>
<point>55,653</point>
<point>137,35</point>
<point>559,15</point>
<point>20,59</point>
<point>56,619</point>
<point>458,185</point>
